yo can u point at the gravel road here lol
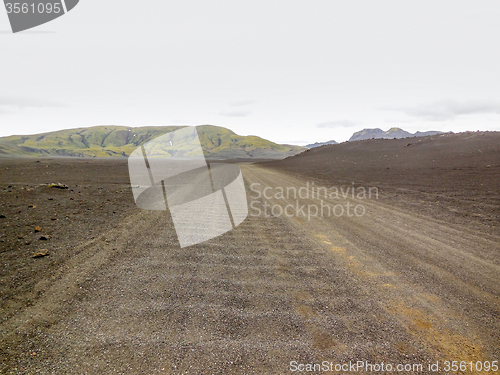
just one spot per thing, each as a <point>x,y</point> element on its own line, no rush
<point>390,286</point>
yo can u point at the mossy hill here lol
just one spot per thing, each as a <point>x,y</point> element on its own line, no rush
<point>119,141</point>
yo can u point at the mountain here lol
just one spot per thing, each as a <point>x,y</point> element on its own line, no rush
<point>317,144</point>
<point>105,141</point>
<point>390,134</point>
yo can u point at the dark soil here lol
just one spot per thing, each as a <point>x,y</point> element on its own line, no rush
<point>97,198</point>
<point>453,177</point>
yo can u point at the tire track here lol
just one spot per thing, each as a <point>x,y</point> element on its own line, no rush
<point>426,273</point>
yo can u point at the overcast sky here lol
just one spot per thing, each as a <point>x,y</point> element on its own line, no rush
<point>289,71</point>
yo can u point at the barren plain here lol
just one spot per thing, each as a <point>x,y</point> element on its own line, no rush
<point>414,280</point>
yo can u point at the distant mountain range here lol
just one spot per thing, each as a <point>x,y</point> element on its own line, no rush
<point>377,134</point>
<point>105,141</point>
<point>217,142</point>
<point>317,144</point>
<point>389,134</point>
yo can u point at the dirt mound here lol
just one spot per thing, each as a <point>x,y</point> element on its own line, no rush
<point>478,149</point>
<point>449,176</point>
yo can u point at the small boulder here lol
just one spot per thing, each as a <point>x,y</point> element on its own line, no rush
<point>59,186</point>
<point>41,253</point>
<point>38,229</point>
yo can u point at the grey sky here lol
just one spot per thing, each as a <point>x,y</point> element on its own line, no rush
<point>337,124</point>
<point>278,69</point>
<point>450,109</point>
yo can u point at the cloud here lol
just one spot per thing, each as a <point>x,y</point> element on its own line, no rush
<point>235,113</point>
<point>9,104</point>
<point>336,124</point>
<point>450,109</point>
<point>241,103</point>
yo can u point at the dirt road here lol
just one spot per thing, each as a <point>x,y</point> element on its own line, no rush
<point>388,286</point>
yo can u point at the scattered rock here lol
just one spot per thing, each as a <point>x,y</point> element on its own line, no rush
<point>38,229</point>
<point>51,199</point>
<point>31,206</point>
<point>41,254</point>
<point>45,238</point>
